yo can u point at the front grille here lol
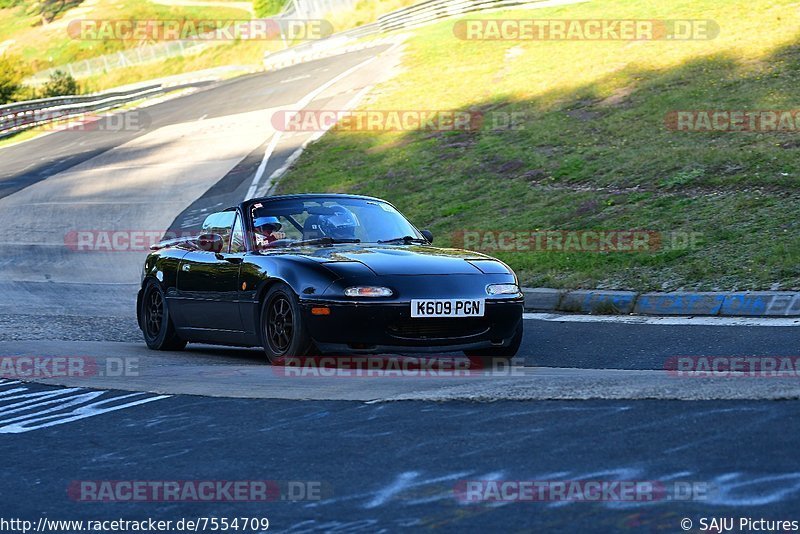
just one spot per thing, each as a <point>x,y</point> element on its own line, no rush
<point>439,328</point>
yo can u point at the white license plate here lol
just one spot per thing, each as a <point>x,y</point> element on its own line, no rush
<point>447,308</point>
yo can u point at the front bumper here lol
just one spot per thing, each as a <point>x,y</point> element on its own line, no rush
<point>388,327</point>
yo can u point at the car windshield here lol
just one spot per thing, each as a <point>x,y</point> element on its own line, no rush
<point>328,220</point>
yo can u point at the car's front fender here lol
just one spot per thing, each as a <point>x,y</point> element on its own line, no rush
<point>307,278</point>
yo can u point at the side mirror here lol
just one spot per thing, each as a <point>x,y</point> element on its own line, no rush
<point>427,235</point>
<point>210,243</point>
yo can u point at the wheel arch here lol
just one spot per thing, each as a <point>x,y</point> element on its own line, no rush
<point>140,295</point>
<point>162,267</point>
<point>261,294</point>
<point>297,273</point>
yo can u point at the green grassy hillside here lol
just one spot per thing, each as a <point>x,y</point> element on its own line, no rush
<point>592,150</point>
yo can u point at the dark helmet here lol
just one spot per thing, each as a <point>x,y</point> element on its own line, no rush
<point>269,224</point>
<point>341,224</point>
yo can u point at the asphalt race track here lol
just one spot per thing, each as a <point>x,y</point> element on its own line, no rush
<point>588,400</point>
<point>389,466</point>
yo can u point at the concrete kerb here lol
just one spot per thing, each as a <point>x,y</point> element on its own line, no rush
<point>603,302</point>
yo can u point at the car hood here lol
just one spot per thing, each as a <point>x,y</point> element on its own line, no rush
<point>408,259</point>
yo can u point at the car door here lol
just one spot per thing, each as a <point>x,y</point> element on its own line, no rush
<point>208,282</point>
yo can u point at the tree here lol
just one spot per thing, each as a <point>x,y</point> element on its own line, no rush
<point>60,84</point>
<point>12,72</point>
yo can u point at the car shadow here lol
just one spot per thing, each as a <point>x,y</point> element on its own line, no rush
<point>252,355</point>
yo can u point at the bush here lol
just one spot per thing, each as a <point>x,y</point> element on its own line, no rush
<point>50,9</point>
<point>60,84</point>
<point>267,8</point>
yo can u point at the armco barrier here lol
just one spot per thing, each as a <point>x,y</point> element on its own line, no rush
<point>24,115</point>
<point>28,105</point>
<point>17,117</point>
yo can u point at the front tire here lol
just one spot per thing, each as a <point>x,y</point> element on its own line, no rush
<point>283,332</point>
<point>159,332</point>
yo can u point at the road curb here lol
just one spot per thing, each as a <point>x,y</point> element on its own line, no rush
<point>705,303</point>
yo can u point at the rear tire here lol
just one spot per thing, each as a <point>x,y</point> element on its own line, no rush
<point>491,357</point>
<point>283,332</point>
<point>159,332</point>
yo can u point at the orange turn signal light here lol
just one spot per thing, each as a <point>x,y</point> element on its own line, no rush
<point>323,310</point>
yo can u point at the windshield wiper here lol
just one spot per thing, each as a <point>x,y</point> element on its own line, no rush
<point>406,240</point>
<point>325,241</point>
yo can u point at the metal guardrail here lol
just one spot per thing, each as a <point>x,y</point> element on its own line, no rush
<point>25,115</point>
<point>289,55</point>
<point>63,100</point>
<point>21,116</point>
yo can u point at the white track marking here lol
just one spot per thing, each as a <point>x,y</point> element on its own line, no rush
<point>665,321</point>
<point>23,410</point>
<point>270,183</point>
<point>296,78</point>
<point>299,105</point>
<point>263,165</point>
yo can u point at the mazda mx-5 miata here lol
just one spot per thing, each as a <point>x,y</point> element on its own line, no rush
<point>320,273</point>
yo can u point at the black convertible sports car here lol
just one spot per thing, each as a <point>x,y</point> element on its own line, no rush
<point>329,273</point>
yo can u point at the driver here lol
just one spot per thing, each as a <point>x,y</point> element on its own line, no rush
<point>267,230</point>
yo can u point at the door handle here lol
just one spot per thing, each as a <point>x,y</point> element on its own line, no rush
<point>236,260</point>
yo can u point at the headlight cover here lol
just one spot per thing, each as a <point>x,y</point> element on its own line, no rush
<point>368,291</point>
<point>502,289</point>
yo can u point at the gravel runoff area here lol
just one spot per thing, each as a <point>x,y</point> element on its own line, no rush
<point>25,327</point>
